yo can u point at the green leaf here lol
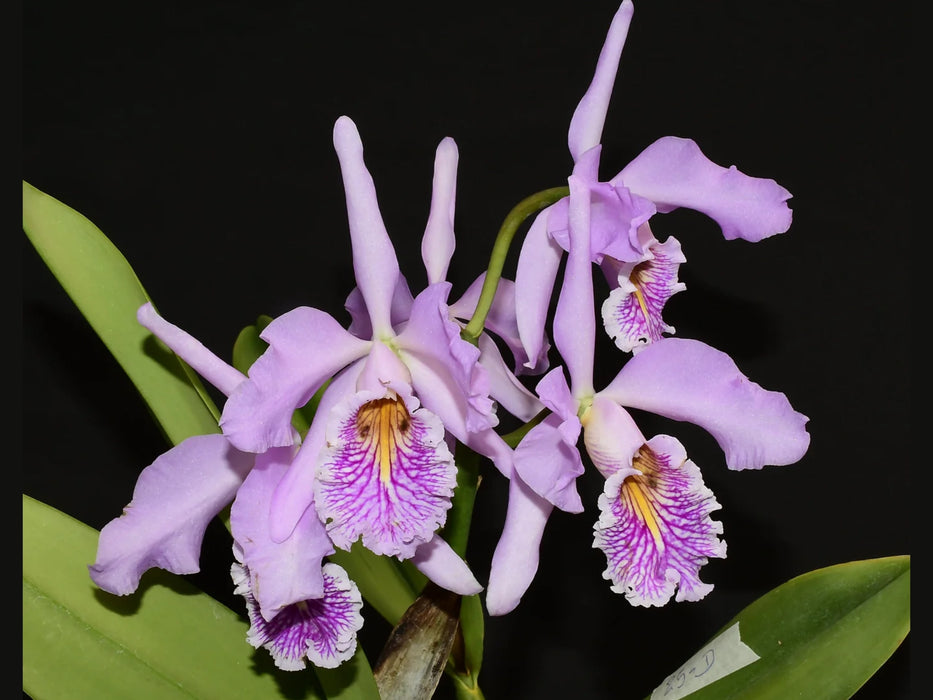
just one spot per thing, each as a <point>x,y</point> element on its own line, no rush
<point>351,680</point>
<point>472,627</point>
<point>820,635</point>
<point>248,346</point>
<point>168,640</point>
<point>379,579</point>
<point>416,580</point>
<point>107,292</point>
<point>467,653</point>
<point>456,530</point>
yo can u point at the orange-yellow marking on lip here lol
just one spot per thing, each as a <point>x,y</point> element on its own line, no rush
<point>635,486</point>
<point>641,303</point>
<point>380,424</point>
<point>636,279</point>
<point>644,509</point>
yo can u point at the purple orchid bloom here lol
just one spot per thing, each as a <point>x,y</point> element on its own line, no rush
<point>654,525</point>
<point>298,606</point>
<point>670,173</point>
<point>375,464</point>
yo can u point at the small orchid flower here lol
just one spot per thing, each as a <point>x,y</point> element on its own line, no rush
<point>375,463</point>
<point>670,173</point>
<point>655,526</point>
<point>176,497</point>
<point>323,630</point>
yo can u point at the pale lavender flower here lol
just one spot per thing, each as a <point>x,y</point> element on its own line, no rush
<point>375,463</point>
<point>654,525</point>
<point>176,497</point>
<point>670,173</point>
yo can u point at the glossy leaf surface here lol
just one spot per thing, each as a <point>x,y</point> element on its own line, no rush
<point>104,287</point>
<point>820,635</point>
<point>167,640</point>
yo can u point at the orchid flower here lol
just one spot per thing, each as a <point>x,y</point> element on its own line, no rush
<point>654,525</point>
<point>299,607</point>
<point>670,173</point>
<point>375,463</point>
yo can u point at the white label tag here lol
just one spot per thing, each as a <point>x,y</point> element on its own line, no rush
<point>724,655</point>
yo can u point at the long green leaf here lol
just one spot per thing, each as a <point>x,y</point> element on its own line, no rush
<point>465,663</point>
<point>351,680</point>
<point>467,654</point>
<point>380,581</point>
<point>820,635</point>
<point>107,292</point>
<point>167,641</point>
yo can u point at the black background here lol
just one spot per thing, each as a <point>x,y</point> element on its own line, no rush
<point>197,136</point>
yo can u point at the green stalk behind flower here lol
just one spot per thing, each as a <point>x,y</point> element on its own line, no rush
<point>520,212</point>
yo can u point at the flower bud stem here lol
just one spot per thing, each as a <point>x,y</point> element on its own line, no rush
<point>500,249</point>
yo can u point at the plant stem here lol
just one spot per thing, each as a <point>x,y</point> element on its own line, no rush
<point>500,249</point>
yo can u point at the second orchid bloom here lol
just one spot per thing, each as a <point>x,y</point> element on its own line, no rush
<point>654,524</point>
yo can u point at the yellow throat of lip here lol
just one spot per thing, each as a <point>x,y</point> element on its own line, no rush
<point>381,425</point>
<point>635,488</point>
<point>640,296</point>
<point>636,277</point>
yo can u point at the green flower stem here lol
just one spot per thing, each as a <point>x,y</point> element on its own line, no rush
<point>500,249</point>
